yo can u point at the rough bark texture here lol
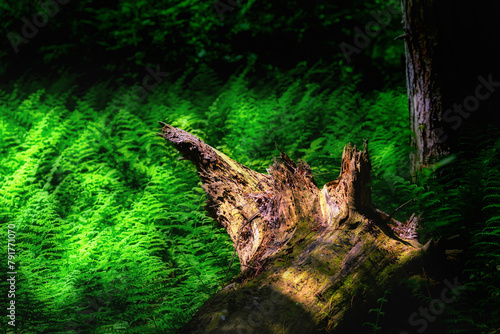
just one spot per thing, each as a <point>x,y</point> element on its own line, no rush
<point>450,55</point>
<point>424,80</point>
<point>312,259</point>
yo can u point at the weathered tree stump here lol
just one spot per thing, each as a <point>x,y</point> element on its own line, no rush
<point>312,260</point>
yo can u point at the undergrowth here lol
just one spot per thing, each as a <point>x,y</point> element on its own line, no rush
<point>111,230</point>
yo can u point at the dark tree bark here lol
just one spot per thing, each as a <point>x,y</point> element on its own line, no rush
<point>452,73</point>
<point>312,260</point>
<point>424,81</point>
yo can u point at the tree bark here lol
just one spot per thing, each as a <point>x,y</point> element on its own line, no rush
<point>312,260</point>
<point>452,73</point>
<point>424,81</point>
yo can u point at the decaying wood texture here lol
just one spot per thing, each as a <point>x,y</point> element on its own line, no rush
<point>312,260</point>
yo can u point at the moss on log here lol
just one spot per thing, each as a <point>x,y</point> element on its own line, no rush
<point>312,260</point>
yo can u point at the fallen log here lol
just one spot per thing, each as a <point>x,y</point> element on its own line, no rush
<point>312,260</point>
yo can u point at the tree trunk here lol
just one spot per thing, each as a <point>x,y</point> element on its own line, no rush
<point>452,73</point>
<point>424,81</point>
<point>312,260</point>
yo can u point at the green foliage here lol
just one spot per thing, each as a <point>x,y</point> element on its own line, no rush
<point>480,184</point>
<point>459,199</point>
<point>115,34</point>
<point>376,328</point>
<point>111,228</point>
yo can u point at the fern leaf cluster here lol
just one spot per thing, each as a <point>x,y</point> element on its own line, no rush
<point>111,226</point>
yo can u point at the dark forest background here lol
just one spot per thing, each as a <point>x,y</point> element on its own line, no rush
<point>110,228</point>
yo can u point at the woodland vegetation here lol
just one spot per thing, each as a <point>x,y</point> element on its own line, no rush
<point>111,229</point>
